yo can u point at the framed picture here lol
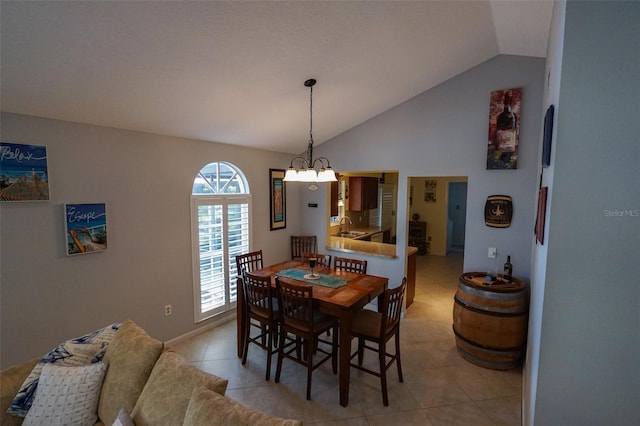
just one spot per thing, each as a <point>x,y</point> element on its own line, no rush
<point>504,129</point>
<point>430,190</point>
<point>85,227</point>
<point>23,172</point>
<point>498,211</point>
<point>548,133</point>
<point>540,216</point>
<point>278,200</point>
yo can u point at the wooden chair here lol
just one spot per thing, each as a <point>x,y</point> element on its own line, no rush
<point>302,244</point>
<point>322,259</point>
<point>379,328</point>
<point>306,324</point>
<point>351,265</point>
<point>262,306</point>
<point>249,261</point>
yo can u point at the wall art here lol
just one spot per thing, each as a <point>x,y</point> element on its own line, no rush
<point>498,211</point>
<point>540,216</point>
<point>278,208</point>
<point>85,227</point>
<point>504,129</point>
<point>430,190</point>
<point>24,175</point>
<point>547,136</point>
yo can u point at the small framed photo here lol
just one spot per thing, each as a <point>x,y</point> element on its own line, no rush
<point>547,136</point>
<point>278,200</point>
<point>85,227</point>
<point>24,175</point>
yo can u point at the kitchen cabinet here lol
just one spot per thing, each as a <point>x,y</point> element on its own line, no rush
<point>334,197</point>
<point>363,193</point>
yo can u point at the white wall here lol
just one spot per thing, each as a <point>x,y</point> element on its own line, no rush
<point>145,181</point>
<point>443,132</point>
<point>589,342</point>
<point>539,253</point>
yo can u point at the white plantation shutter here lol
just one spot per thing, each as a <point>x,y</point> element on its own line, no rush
<point>220,231</point>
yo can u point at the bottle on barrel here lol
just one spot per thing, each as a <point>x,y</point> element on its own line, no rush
<point>508,269</point>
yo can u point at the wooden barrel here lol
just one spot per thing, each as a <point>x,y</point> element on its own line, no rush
<point>490,320</point>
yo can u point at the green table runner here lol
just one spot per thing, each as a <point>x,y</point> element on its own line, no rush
<point>324,280</point>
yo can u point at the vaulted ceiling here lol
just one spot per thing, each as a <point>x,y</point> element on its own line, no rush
<point>233,71</point>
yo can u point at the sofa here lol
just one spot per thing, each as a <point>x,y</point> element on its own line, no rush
<point>137,382</point>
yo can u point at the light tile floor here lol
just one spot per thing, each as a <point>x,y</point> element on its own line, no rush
<point>440,388</point>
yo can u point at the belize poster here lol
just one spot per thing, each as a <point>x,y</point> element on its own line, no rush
<point>85,228</point>
<point>23,172</point>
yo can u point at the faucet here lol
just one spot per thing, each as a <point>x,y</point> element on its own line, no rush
<point>349,223</point>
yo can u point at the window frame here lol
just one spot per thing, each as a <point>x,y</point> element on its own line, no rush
<point>228,264</point>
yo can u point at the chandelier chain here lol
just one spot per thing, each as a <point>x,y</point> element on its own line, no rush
<point>311,113</point>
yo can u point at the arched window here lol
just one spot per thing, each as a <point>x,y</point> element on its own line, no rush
<point>220,229</point>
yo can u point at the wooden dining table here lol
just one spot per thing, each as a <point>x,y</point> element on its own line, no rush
<point>341,302</point>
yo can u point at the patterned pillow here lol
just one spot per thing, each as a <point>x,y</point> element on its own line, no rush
<point>67,396</point>
<point>83,350</point>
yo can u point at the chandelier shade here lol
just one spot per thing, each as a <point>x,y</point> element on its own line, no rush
<point>307,172</point>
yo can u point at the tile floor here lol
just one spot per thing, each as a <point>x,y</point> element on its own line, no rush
<point>440,388</point>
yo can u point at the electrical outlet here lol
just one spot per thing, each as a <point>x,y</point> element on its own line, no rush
<point>492,252</point>
<point>167,310</point>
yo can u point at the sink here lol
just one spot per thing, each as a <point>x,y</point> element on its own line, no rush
<point>350,234</point>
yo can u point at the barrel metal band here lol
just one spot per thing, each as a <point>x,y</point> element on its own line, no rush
<point>490,310</point>
<point>487,348</point>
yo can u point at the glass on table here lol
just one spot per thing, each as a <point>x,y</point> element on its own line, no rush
<point>312,264</point>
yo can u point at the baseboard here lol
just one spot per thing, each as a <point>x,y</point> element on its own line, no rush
<point>217,321</point>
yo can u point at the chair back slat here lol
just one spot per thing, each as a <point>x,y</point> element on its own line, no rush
<point>351,265</point>
<point>249,261</point>
<point>322,259</point>
<point>301,244</point>
<point>296,301</point>
<point>392,307</point>
<point>258,293</point>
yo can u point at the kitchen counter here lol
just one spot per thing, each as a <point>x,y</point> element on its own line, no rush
<point>349,245</point>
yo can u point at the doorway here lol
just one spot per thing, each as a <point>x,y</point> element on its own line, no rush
<point>441,203</point>
<point>457,214</point>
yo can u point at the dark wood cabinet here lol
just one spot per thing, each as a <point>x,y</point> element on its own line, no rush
<point>334,196</point>
<point>363,193</point>
<point>418,236</point>
<point>411,280</point>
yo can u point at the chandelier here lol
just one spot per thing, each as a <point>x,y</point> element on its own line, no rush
<point>307,171</point>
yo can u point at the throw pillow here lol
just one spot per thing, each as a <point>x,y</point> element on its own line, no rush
<point>83,350</point>
<point>208,407</point>
<point>130,357</point>
<point>67,396</point>
<point>165,397</point>
<point>123,419</point>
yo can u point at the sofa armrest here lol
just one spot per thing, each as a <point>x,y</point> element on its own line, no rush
<point>10,381</point>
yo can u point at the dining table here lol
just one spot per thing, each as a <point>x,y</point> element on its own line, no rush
<point>337,292</point>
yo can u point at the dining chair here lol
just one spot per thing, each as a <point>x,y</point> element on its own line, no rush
<point>306,324</point>
<point>249,261</point>
<point>378,328</point>
<point>351,265</point>
<point>263,307</point>
<point>322,259</point>
<point>301,244</point>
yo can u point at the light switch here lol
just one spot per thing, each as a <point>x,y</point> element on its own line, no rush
<point>492,252</point>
